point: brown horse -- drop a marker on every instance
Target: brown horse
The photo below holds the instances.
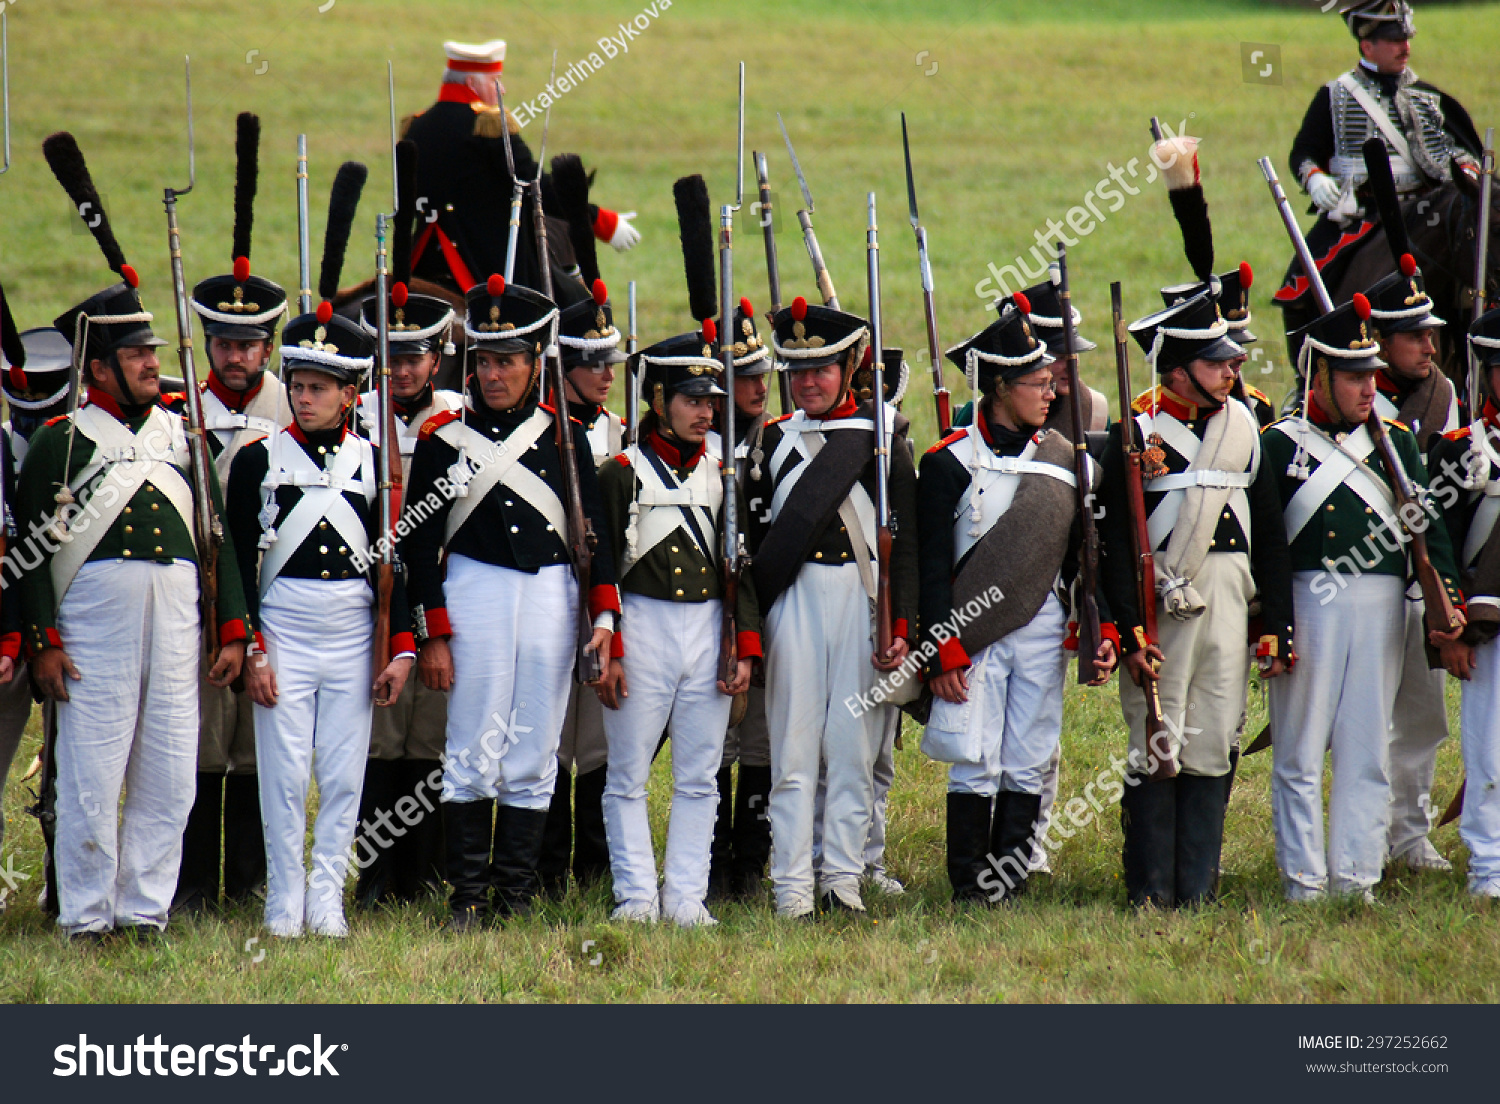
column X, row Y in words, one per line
column 1442, row 226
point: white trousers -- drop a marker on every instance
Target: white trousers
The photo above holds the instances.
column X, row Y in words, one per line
column 1338, row 697
column 513, row 641
column 318, row 637
column 1419, row 725
column 1015, row 707
column 1480, row 826
column 1203, row 685
column 819, row 644
column 131, row 629
column 884, row 777
column 671, row 673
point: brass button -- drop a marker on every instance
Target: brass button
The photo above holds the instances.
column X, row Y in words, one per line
column 1231, row 542
column 156, row 532
column 817, row 555
column 1332, row 534
column 508, row 502
column 323, row 549
column 515, row 528
column 156, row 505
column 1330, row 507
column 705, row 592
column 129, row 528
column 679, row 593
column 677, row 571
column 325, row 575
column 321, row 450
column 543, row 472
column 703, row 571
column 128, row 510
column 127, row 553
column 322, row 525
column 843, row 555
column 343, row 551
column 345, row 575
column 158, row 550
column 674, row 548
column 1368, row 510
column 1213, row 544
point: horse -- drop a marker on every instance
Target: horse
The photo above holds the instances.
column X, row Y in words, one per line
column 1441, row 226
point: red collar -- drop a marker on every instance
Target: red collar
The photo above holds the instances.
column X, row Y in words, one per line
column 104, row 401
column 846, row 409
column 1491, row 415
column 458, row 93
column 234, row 400
column 1317, row 415
column 1385, row 384
column 1175, row 405
column 672, row 453
column 301, row 438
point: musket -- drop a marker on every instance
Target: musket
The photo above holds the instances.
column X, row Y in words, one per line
column 804, row 218
column 304, row 241
column 883, row 625
column 632, row 376
column 44, row 806
column 390, row 481
column 731, row 554
column 773, row 267
column 581, row 539
column 5, row 84
column 1141, row 554
column 1481, row 257
column 1440, row 614
column 1089, row 634
column 517, row 185
column 207, row 525
column 940, row 393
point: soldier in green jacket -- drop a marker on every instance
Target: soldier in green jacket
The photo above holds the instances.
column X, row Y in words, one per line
column 1350, row 567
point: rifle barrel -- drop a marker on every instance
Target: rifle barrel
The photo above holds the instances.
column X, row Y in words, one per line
column 304, row 243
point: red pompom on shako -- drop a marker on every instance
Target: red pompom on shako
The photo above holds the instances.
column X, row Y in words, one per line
column 495, row 285
column 745, row 308
column 1361, row 306
column 601, row 293
column 710, row 331
column 799, row 309
column 128, row 274
column 1408, row 265
column 1022, row 303
column 398, row 294
column 325, row 312
column 241, row 269
column 1247, row 275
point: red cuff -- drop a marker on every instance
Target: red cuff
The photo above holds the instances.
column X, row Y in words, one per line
column 951, row 655
column 603, row 597
column 1108, row 631
column 437, row 623
column 10, row 645
column 748, row 644
column 901, row 630
column 605, row 224
column 617, row 646
column 260, row 641
column 403, row 642
column 230, row 631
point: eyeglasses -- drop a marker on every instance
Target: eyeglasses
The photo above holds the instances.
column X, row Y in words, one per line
column 1044, row 387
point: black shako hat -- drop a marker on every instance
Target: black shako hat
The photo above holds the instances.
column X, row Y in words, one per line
column 804, row 335
column 1399, row 303
column 682, row 365
column 507, row 318
column 586, row 329
column 1340, row 340
column 1232, row 293
column 1484, row 336
column 1381, row 19
column 1194, row 329
column 1045, row 315
column 1008, row 348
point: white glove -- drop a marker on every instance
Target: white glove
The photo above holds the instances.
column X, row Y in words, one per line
column 1324, row 191
column 625, row 236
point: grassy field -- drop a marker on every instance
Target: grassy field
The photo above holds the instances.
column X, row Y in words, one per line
column 1027, row 106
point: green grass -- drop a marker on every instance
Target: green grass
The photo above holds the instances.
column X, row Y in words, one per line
column 1029, row 105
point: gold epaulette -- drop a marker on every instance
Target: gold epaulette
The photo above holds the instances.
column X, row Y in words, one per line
column 487, row 121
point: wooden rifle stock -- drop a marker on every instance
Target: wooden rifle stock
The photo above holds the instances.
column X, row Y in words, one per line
column 1141, row 555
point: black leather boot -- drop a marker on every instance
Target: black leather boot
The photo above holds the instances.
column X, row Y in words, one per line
column 466, row 825
column 1200, row 837
column 968, row 842
column 721, row 851
column 244, row 839
column 590, row 844
column 557, row 839
column 417, row 857
column 1148, row 816
column 380, row 792
column 752, row 832
column 518, row 845
column 198, row 876
column 1011, row 839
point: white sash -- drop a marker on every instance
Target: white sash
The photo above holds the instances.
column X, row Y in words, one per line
column 663, row 507
column 1186, row 444
column 1338, row 467
column 499, row 464
column 995, row 482
column 1488, row 510
column 804, row 436
column 235, row 430
column 133, row 460
column 353, row 469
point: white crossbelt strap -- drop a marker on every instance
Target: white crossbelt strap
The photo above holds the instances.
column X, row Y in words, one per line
column 1489, row 509
column 996, row 479
column 353, row 469
column 499, row 463
column 236, row 429
column 1186, row 444
column 133, row 460
column 1376, row 112
column 663, row 506
column 407, row 433
column 1338, row 466
column 606, row 437
column 804, row 436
